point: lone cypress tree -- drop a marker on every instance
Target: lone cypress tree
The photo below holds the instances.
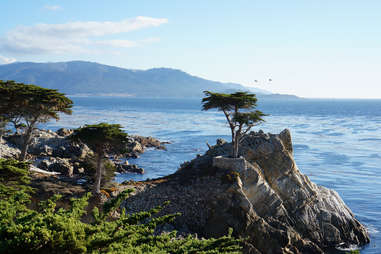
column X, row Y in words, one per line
column 29, row 105
column 240, row 122
column 102, row 138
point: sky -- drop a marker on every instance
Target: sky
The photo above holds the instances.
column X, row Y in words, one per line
column 314, row 49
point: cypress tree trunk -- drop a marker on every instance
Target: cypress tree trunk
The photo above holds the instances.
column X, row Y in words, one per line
column 27, row 139
column 98, row 175
column 235, row 145
column 2, row 130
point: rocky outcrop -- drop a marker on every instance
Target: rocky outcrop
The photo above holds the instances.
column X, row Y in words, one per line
column 8, row 150
column 60, row 165
column 150, row 142
column 46, row 143
column 64, row 132
column 263, row 196
column 55, row 152
column 137, row 145
column 128, row 168
column 57, row 144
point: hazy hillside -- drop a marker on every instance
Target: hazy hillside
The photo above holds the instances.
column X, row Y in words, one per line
column 80, row 77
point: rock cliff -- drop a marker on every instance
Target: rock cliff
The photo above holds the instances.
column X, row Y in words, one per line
column 262, row 195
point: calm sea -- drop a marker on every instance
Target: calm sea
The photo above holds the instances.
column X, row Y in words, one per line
column 337, row 143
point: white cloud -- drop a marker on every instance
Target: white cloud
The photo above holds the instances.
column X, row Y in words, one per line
column 127, row 43
column 118, row 43
column 73, row 37
column 6, row 60
column 53, row 7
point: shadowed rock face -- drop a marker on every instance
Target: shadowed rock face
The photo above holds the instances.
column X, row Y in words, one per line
column 262, row 196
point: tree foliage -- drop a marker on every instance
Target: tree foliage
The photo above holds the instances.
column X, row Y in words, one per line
column 28, row 105
column 14, row 176
column 102, row 138
column 51, row 230
column 238, row 109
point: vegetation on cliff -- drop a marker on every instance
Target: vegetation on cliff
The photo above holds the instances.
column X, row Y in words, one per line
column 51, row 230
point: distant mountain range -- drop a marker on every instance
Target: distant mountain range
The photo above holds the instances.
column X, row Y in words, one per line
column 88, row 78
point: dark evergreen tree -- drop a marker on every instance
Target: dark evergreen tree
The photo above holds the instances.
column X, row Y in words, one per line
column 28, row 105
column 238, row 109
column 102, row 138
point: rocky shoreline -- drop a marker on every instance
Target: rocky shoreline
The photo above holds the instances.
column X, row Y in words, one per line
column 55, row 152
column 262, row 195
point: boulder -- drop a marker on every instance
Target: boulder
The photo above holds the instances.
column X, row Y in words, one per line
column 62, row 166
column 64, row 132
column 127, row 168
column 16, row 140
column 136, row 147
column 44, row 164
column 149, row 142
column 263, row 196
column 8, row 150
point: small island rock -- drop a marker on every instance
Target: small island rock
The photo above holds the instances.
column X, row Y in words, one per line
column 263, row 196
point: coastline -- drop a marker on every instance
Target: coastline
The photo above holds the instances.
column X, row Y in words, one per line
column 205, row 186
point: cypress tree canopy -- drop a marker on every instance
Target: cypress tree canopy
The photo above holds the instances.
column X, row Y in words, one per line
column 222, row 101
column 31, row 103
column 27, row 105
column 102, row 137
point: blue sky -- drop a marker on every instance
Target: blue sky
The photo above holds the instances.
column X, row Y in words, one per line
column 318, row 49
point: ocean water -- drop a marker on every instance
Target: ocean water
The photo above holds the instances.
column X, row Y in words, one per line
column 337, row 143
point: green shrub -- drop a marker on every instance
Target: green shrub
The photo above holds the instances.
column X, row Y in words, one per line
column 51, row 230
column 14, row 176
